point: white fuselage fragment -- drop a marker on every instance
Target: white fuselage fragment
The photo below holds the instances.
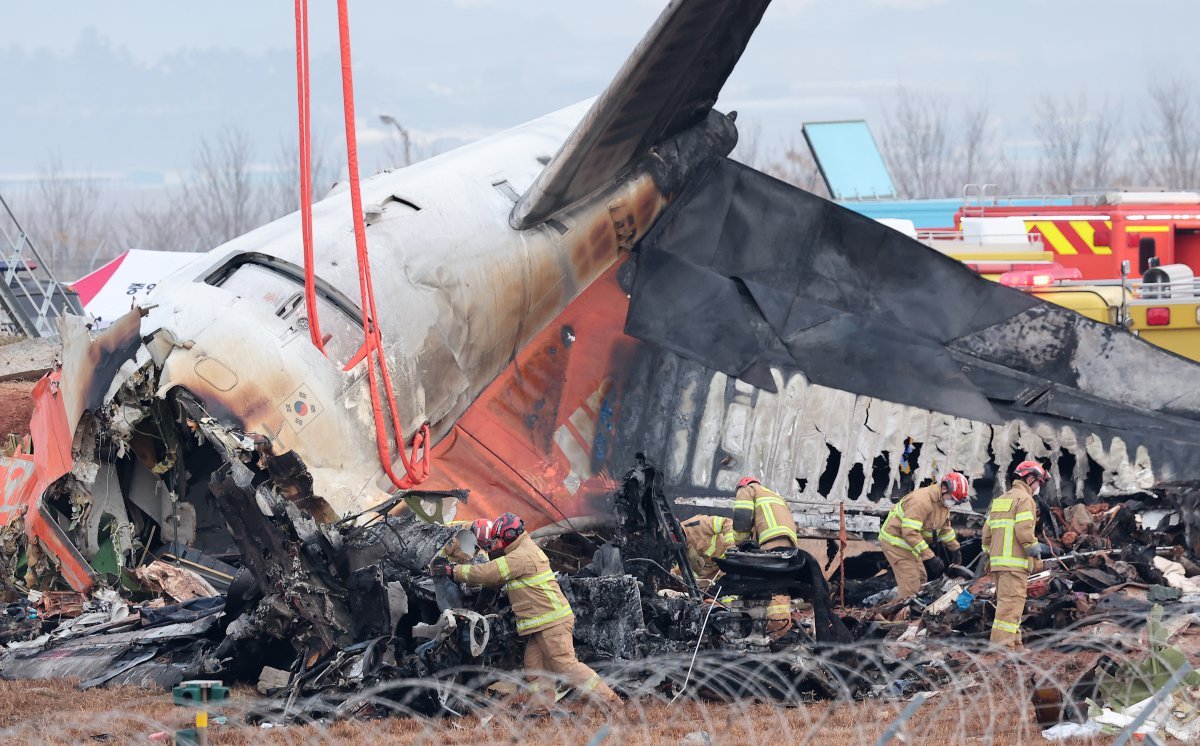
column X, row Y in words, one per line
column 785, row 439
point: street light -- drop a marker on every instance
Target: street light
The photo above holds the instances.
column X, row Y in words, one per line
column 404, row 136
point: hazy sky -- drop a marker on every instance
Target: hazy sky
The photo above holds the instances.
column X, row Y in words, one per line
column 127, row 86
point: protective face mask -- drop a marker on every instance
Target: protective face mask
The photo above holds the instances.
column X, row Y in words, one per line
column 948, row 502
column 1037, row 489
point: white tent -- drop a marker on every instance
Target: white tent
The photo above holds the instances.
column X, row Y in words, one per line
column 110, row 291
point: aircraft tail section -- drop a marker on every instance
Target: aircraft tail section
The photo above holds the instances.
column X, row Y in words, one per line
column 668, row 85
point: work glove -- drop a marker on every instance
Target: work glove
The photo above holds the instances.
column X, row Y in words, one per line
column 955, row 556
column 934, row 568
column 1038, row 550
column 441, row 568
column 748, row 546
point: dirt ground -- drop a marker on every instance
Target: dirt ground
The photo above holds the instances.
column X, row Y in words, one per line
column 56, row 712
column 15, row 403
column 16, row 406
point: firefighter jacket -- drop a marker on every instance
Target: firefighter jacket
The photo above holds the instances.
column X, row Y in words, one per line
column 758, row 509
column 1009, row 530
column 915, row 519
column 708, row 537
column 524, row 571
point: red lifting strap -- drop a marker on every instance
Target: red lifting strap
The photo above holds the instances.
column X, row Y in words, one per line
column 416, row 465
column 417, row 469
column 302, row 105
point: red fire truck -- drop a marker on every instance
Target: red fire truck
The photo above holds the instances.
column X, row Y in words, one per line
column 1095, row 233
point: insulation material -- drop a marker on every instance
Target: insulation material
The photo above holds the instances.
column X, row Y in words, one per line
column 179, row 583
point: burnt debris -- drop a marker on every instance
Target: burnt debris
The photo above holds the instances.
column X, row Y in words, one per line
column 339, row 617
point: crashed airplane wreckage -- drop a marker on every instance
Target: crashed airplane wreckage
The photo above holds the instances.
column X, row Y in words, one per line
column 348, row 606
column 599, row 283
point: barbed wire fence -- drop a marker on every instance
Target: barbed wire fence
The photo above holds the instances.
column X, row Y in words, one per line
column 925, row 690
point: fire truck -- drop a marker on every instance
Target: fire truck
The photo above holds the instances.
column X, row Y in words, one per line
column 1095, row 233
column 1125, row 258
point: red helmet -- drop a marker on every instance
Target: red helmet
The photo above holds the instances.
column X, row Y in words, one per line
column 1026, row 468
column 507, row 528
column 956, row 486
column 747, row 480
column 485, row 532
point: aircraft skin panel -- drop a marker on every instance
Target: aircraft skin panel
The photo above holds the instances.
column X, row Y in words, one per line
column 816, row 445
column 788, row 279
column 458, row 293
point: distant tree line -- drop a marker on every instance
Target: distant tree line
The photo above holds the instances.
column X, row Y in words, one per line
column 933, row 147
column 78, row 222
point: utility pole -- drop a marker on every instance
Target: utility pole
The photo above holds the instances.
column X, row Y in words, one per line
column 404, row 137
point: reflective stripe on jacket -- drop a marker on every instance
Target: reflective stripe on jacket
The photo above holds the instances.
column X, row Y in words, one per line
column 708, row 537
column 773, row 525
column 913, row 521
column 1009, row 529
column 524, row 572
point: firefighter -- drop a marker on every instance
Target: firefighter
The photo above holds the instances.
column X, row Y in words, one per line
column 543, row 615
column 708, row 538
column 763, row 520
column 453, row 550
column 911, row 525
column 1012, row 550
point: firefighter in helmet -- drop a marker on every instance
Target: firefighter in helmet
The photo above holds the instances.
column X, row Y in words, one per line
column 912, row 524
column 544, row 617
column 1012, row 549
column 763, row 520
column 708, row 538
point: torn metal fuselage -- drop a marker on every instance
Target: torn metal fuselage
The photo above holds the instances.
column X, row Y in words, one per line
column 218, row 370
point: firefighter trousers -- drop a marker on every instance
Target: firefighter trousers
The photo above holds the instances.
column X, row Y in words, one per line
column 553, row 650
column 908, row 568
column 1010, row 606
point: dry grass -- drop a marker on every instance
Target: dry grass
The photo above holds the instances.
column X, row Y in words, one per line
column 982, row 711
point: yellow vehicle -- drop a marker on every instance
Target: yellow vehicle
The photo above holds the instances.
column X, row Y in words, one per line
column 1163, row 307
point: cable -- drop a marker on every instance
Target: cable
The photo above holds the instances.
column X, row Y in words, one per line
column 303, row 107
column 699, row 639
column 416, row 468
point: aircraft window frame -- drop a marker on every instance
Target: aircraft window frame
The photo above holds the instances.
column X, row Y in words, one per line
column 344, row 345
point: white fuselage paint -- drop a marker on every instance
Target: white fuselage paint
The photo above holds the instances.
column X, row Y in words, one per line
column 458, row 292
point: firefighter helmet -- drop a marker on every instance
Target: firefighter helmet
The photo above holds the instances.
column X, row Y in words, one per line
column 508, row 527
column 955, row 485
column 747, row 480
column 1031, row 468
column 485, row 532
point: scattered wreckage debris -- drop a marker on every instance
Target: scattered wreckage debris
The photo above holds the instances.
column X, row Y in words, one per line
column 348, row 607
column 1149, row 688
column 339, row 617
column 1112, row 561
